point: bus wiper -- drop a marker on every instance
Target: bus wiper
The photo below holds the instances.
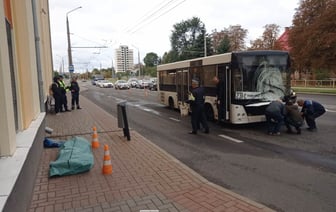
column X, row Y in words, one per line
column 274, row 86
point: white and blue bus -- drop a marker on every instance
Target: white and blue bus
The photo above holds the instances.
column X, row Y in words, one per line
column 251, row 80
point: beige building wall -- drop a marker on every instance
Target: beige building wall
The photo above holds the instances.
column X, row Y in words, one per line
column 27, row 83
column 25, row 76
column 7, row 141
column 45, row 45
column 24, row 39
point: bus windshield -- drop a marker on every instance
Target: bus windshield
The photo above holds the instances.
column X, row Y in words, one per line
column 260, row 77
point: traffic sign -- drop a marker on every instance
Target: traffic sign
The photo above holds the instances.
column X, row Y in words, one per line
column 71, row 68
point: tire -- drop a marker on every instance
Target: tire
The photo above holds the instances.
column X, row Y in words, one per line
column 171, row 103
column 209, row 113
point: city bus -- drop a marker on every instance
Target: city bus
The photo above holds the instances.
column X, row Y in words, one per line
column 251, row 80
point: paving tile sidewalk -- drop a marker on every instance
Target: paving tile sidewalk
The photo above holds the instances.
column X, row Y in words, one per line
column 144, row 176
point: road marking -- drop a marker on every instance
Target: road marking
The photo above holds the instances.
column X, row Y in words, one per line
column 174, row 119
column 230, row 138
column 332, row 111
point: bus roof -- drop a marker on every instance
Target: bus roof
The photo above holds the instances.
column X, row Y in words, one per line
column 216, row 59
column 226, row 57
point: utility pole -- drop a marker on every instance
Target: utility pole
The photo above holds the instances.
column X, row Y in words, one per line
column 71, row 67
column 205, row 46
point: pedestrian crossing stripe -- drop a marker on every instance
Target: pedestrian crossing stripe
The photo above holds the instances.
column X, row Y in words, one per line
column 231, row 139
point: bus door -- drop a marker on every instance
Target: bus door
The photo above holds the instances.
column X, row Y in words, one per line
column 224, row 78
column 182, row 85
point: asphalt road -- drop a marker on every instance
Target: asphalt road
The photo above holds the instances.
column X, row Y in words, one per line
column 286, row 172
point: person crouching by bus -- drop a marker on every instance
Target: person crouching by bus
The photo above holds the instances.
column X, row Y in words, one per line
column 310, row 111
column 196, row 101
column 292, row 115
column 74, row 88
column 274, row 117
column 220, row 95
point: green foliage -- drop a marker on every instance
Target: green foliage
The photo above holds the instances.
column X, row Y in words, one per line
column 122, row 75
column 151, row 59
column 187, row 41
column 150, row 71
column 169, row 57
column 224, row 45
column 321, row 74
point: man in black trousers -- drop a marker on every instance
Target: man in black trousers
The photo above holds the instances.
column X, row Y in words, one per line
column 196, row 101
column 74, row 88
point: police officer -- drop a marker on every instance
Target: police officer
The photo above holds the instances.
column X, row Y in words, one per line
column 57, row 94
column 74, row 88
column 64, row 89
column 196, row 100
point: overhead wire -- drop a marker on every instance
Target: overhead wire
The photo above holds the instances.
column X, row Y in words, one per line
column 143, row 17
column 167, row 7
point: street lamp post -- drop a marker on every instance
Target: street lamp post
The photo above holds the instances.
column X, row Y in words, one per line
column 71, row 67
column 205, row 44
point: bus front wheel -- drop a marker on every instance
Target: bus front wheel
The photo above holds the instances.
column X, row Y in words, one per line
column 209, row 113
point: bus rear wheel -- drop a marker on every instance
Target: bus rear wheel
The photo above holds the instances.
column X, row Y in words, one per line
column 209, row 113
column 171, row 103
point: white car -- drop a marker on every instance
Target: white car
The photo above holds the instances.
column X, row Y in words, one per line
column 132, row 83
column 105, row 84
column 121, row 84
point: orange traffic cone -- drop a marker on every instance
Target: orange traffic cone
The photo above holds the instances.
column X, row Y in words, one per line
column 107, row 166
column 95, row 143
column 146, row 92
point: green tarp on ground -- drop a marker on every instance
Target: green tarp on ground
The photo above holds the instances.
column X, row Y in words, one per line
column 75, row 156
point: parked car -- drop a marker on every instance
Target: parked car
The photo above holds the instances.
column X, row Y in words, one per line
column 121, row 84
column 153, row 85
column 132, row 83
column 143, row 84
column 105, row 84
column 97, row 82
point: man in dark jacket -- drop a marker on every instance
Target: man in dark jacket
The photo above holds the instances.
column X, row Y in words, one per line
column 274, row 117
column 64, row 89
column 293, row 117
column 310, row 111
column 74, row 88
column 57, row 94
column 220, row 95
column 196, row 100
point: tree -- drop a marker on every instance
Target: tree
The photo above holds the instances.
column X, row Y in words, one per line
column 237, row 36
column 151, row 59
column 150, row 71
column 268, row 39
column 313, row 37
column 187, row 40
column 224, row 45
column 169, row 57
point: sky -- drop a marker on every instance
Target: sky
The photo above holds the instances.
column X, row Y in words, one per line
column 101, row 26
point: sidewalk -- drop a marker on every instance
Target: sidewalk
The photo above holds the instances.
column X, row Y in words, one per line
column 144, row 176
